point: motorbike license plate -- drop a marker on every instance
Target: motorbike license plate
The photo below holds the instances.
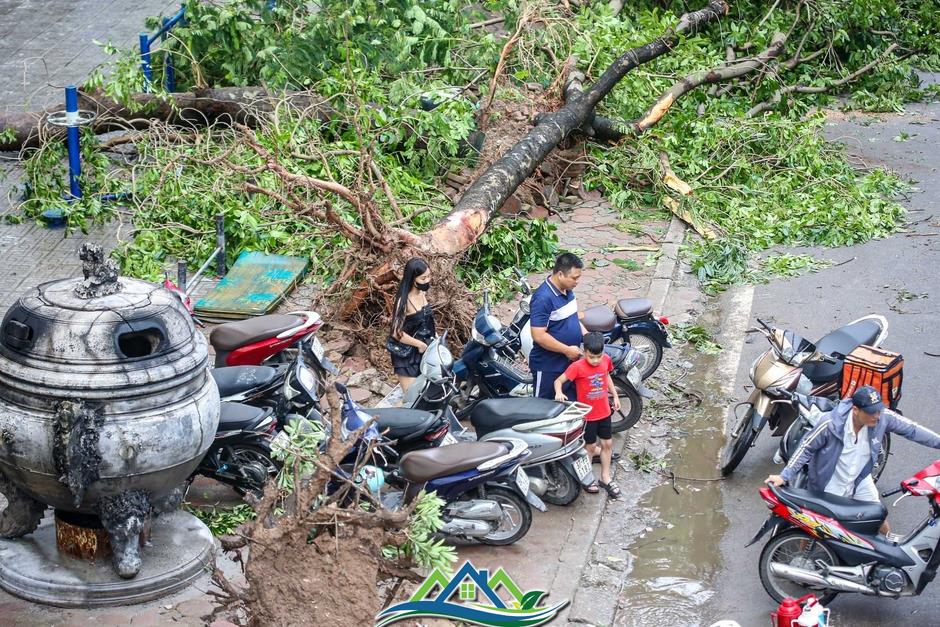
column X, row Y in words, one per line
column 317, row 349
column 448, row 440
column 582, row 466
column 280, row 443
column 522, row 480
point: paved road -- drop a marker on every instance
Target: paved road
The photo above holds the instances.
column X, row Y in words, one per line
column 812, row 305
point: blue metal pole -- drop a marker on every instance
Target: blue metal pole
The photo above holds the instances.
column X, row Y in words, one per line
column 169, row 73
column 75, row 157
column 145, row 60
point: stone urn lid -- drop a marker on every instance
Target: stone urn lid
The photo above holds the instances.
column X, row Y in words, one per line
column 98, row 335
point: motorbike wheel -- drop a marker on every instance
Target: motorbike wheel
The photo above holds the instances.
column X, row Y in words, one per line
column 799, row 549
column 516, row 520
column 741, row 438
column 631, row 406
column 650, row 349
column 882, row 459
column 564, row 487
column 258, row 462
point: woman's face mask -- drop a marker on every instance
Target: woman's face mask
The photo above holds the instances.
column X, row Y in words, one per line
column 424, row 287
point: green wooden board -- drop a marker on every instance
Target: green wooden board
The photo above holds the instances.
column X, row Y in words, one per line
column 254, row 286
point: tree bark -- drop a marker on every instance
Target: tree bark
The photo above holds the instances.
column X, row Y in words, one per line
column 457, row 231
column 238, row 104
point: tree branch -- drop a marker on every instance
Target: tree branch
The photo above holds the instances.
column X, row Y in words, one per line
column 807, row 89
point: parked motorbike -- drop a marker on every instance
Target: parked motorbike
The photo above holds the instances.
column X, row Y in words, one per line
column 810, row 410
column 483, row 371
column 257, row 340
column 240, row 455
column 292, row 390
column 486, row 495
column 821, row 542
column 254, row 341
column 630, row 322
column 553, row 431
column 793, row 364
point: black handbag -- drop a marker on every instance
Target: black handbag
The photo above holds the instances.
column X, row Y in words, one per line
column 397, row 349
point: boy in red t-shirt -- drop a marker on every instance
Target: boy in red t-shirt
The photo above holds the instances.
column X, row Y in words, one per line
column 591, row 378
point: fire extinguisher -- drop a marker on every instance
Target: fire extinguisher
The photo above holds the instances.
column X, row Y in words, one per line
column 789, row 612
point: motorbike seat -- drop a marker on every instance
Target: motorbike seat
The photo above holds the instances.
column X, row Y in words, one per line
column 231, row 335
column 599, row 318
column 494, row 414
column 631, row 308
column 857, row 516
column 237, row 379
column 402, row 423
column 819, row 402
column 428, row 464
column 842, row 341
column 239, row 417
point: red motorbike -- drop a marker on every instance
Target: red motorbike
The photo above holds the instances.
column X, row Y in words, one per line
column 825, row 544
column 263, row 339
column 256, row 340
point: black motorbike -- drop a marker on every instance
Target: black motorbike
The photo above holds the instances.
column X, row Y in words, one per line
column 240, row 455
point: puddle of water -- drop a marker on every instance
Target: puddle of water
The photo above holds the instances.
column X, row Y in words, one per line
column 675, row 564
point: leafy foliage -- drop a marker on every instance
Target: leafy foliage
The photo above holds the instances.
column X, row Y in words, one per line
column 420, row 544
column 530, row 245
column 695, row 335
column 764, row 181
column 222, row 521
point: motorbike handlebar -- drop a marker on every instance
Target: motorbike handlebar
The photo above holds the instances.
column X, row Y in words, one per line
column 888, row 493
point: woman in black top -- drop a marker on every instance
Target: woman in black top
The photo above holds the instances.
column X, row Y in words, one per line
column 412, row 320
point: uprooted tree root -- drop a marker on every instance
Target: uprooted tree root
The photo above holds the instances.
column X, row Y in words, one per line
column 313, row 558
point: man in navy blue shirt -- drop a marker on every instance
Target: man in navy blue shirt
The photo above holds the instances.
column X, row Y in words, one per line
column 556, row 326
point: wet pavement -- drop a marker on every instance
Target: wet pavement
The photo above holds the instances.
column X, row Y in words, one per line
column 871, row 281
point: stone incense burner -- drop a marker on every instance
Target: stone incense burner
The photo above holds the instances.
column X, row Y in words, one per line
column 106, row 407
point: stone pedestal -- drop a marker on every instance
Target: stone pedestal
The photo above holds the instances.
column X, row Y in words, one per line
column 179, row 550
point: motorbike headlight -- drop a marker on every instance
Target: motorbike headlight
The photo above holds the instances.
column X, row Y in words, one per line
column 308, row 380
column 753, row 372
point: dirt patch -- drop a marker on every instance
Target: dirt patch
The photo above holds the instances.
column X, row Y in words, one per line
column 320, row 583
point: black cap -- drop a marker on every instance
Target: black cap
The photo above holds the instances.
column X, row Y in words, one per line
column 868, row 400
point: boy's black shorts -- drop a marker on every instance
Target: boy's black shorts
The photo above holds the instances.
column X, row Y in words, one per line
column 594, row 429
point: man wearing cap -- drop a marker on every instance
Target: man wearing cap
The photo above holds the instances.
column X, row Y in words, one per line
column 841, row 450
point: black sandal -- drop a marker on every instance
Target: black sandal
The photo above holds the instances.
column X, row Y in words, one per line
column 613, row 490
column 613, row 458
column 592, row 489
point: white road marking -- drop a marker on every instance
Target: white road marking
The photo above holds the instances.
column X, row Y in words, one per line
column 737, row 314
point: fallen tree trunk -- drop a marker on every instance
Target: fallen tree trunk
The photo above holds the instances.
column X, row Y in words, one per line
column 241, row 105
column 461, row 228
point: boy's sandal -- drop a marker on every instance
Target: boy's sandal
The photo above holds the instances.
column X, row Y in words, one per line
column 592, row 489
column 613, row 490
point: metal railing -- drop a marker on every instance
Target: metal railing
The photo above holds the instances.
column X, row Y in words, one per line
column 217, row 255
column 146, row 41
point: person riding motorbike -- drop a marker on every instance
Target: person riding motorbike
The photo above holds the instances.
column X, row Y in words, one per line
column 841, row 450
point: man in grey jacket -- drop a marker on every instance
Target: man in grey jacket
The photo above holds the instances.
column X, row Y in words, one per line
column 841, row 450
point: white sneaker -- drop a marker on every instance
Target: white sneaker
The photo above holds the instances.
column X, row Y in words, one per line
column 777, row 458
